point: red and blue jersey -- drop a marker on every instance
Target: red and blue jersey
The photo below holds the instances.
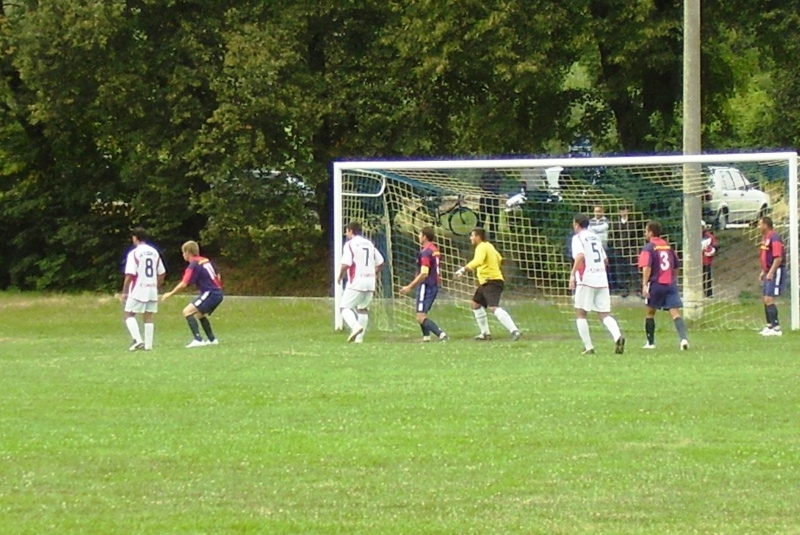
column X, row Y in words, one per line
column 662, row 261
column 771, row 248
column 428, row 257
column 203, row 274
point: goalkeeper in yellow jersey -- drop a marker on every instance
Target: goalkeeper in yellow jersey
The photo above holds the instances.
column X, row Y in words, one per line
column 486, row 265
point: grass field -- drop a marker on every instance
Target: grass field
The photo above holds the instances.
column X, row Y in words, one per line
column 285, row 428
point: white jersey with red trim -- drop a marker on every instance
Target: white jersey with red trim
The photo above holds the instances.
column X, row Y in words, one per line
column 593, row 272
column 144, row 265
column 361, row 258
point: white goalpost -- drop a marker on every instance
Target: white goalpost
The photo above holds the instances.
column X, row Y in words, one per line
column 527, row 205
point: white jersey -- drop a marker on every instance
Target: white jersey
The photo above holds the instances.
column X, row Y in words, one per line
column 362, row 258
column 144, row 265
column 593, row 272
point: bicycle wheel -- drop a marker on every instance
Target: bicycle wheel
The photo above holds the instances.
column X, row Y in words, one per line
column 462, row 220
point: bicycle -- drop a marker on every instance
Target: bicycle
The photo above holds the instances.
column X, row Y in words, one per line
column 459, row 218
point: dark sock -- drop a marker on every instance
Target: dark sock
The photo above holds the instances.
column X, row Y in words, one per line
column 192, row 321
column 425, row 330
column 680, row 326
column 207, row 328
column 431, row 326
column 766, row 314
column 772, row 315
column 650, row 330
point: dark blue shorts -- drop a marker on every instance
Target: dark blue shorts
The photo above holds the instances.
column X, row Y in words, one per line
column 207, row 302
column 775, row 287
column 664, row 296
column 426, row 295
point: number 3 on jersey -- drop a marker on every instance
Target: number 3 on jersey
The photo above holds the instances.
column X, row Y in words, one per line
column 665, row 263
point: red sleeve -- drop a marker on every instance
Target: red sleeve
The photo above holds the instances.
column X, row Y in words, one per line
column 777, row 249
column 187, row 275
column 425, row 260
column 644, row 259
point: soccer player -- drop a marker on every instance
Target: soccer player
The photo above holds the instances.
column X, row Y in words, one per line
column 426, row 282
column 144, row 273
column 589, row 280
column 202, row 273
column 361, row 263
column 486, row 265
column 659, row 265
column 771, row 277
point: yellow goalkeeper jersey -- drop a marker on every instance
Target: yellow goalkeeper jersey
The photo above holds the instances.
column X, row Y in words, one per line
column 486, row 263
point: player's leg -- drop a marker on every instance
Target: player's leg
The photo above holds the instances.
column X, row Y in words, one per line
column 673, row 303
column 132, row 307
column 190, row 313
column 362, row 309
column 350, row 299
column 680, row 327
column 419, row 307
column 478, row 305
column 205, row 309
column 771, row 290
column 602, row 304
column 149, row 326
column 424, row 306
column 581, row 299
column 493, row 291
column 650, row 328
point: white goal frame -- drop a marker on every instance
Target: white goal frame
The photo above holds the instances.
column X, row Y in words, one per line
column 789, row 157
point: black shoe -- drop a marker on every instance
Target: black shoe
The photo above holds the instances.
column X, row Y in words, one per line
column 619, row 347
column 483, row 337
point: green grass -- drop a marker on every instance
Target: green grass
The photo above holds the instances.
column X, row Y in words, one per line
column 285, row 428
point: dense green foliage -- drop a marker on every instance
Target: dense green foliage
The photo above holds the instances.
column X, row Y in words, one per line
column 120, row 113
column 284, row 428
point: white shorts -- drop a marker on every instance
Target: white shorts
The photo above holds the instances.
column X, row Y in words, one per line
column 140, row 307
column 356, row 299
column 592, row 299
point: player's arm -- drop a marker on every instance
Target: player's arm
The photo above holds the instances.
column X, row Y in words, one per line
column 379, row 260
column 184, row 282
column 777, row 252
column 577, row 264
column 646, row 271
column 478, row 259
column 342, row 273
column 126, row 285
column 423, row 273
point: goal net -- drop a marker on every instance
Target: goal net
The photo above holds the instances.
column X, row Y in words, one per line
column 527, row 205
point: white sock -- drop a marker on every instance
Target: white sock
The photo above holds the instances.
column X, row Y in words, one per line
column 349, row 318
column 613, row 328
column 363, row 319
column 505, row 318
column 133, row 328
column 483, row 322
column 149, row 330
column 583, row 331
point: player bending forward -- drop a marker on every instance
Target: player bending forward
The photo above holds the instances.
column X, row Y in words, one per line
column 589, row 280
column 204, row 275
column 361, row 263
